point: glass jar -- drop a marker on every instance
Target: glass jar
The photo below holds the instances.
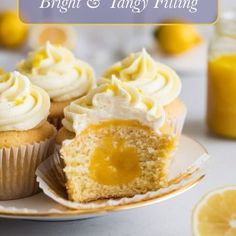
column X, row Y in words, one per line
column 221, row 105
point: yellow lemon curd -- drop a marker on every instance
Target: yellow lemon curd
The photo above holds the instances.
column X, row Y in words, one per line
column 114, row 162
column 221, row 115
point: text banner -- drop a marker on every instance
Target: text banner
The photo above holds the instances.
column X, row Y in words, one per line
column 118, row 11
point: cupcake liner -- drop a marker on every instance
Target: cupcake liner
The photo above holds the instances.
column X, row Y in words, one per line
column 17, row 168
column 51, row 180
column 56, row 121
column 178, row 123
column 55, row 191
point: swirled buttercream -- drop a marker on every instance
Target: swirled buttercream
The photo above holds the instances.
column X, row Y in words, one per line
column 113, row 100
column 154, row 79
column 58, row 72
column 23, row 106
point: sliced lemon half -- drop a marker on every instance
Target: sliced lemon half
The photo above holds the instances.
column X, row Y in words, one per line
column 56, row 34
column 215, row 214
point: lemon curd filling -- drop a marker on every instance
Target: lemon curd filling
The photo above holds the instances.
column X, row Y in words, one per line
column 114, row 162
column 110, row 123
column 221, row 95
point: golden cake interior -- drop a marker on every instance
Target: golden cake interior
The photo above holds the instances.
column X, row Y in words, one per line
column 114, row 159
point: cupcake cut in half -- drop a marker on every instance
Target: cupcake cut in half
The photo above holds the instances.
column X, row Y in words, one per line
column 64, row 77
column 119, row 149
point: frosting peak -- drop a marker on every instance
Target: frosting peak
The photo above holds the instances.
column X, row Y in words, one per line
column 137, row 66
column 154, row 79
column 22, row 105
column 55, row 69
column 113, row 100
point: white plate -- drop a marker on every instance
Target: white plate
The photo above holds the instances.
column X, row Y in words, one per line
column 40, row 207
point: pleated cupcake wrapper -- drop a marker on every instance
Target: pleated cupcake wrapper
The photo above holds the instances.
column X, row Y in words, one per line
column 56, row 121
column 17, row 168
column 178, row 123
column 51, row 179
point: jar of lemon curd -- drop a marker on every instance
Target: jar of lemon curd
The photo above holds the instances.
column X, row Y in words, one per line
column 221, row 107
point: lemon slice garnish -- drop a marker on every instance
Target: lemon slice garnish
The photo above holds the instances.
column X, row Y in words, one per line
column 215, row 214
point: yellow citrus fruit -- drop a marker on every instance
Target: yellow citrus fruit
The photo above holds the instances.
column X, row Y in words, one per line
column 55, row 34
column 13, row 32
column 176, row 39
column 215, row 214
column 1, row 71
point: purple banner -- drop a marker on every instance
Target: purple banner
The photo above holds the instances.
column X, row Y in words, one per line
column 118, row 11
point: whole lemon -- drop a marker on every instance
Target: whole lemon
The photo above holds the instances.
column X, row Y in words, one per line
column 176, row 39
column 13, row 32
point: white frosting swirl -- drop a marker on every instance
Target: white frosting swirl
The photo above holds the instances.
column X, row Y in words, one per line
column 22, row 105
column 56, row 70
column 154, row 79
column 114, row 100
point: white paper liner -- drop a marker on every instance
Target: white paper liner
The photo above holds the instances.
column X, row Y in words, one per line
column 52, row 181
column 17, row 168
column 178, row 123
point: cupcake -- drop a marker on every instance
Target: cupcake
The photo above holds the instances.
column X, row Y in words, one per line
column 60, row 74
column 25, row 135
column 116, row 147
column 156, row 81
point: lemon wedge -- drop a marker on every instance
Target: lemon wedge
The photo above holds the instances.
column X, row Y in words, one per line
column 215, row 214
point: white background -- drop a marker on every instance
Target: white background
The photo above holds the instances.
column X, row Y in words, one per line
column 170, row 218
